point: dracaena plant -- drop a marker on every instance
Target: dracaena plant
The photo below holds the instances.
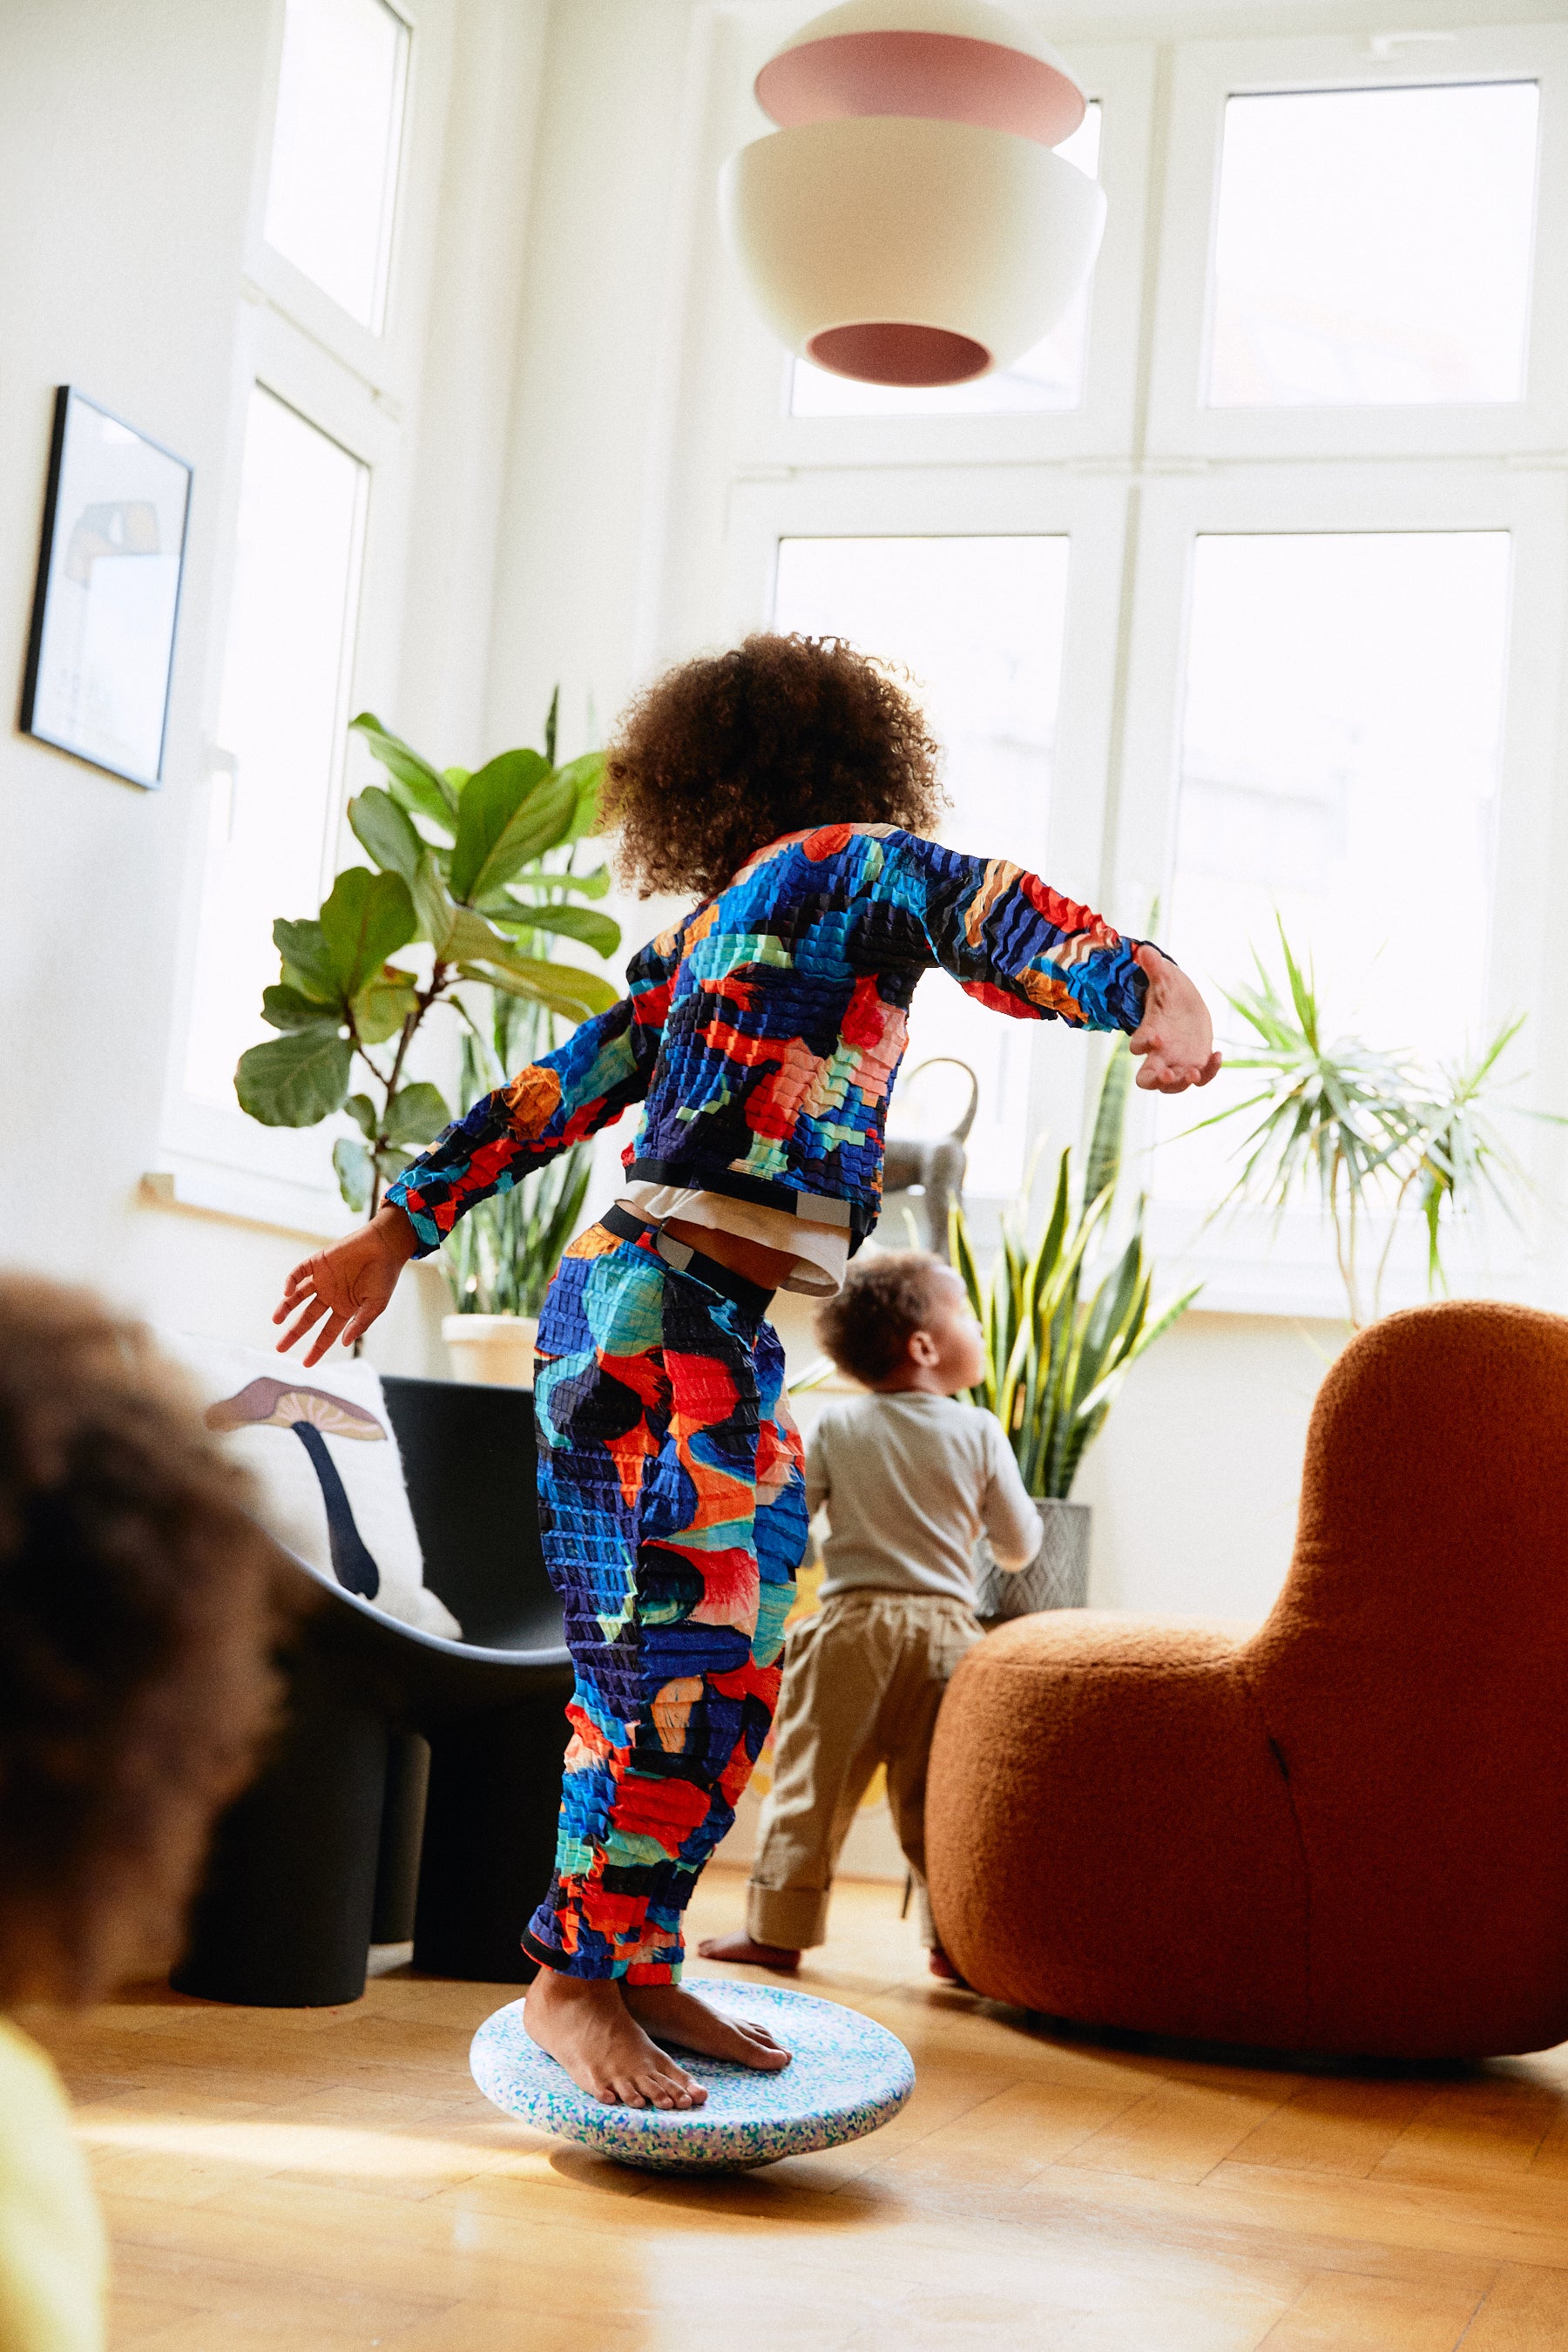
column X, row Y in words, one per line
column 479, row 867
column 1366, row 1130
column 1055, row 1356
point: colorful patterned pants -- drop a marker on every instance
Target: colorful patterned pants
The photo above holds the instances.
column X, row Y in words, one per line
column 672, row 1507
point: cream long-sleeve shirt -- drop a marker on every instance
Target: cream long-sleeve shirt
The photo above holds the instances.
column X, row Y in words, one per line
column 909, row 1481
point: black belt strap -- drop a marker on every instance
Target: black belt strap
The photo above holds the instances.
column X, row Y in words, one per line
column 628, row 1227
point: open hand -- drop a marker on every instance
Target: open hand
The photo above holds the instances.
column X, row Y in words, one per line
column 1175, row 1036
column 349, row 1284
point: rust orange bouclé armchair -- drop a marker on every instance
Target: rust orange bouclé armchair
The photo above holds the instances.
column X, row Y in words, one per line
column 1347, row 1831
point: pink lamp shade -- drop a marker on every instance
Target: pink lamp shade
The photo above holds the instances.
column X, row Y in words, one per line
column 909, row 223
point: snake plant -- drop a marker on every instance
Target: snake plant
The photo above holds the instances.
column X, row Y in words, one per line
column 1055, row 1356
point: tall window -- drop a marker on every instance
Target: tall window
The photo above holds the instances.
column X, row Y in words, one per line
column 978, row 623
column 332, row 188
column 1373, row 246
column 281, row 719
column 1304, row 664
column 1342, row 732
column 313, row 589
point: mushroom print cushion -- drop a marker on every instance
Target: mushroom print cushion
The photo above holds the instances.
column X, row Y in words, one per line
column 322, row 1450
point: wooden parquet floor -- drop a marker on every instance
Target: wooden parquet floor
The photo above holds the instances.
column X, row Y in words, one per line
column 330, row 2181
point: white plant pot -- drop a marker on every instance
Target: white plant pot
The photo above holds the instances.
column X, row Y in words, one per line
column 494, row 1350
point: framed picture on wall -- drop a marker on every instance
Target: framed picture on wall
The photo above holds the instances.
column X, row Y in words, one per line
column 103, row 641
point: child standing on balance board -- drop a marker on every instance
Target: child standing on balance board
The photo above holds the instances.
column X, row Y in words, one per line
column 789, row 784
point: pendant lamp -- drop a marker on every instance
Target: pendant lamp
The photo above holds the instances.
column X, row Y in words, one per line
column 907, row 222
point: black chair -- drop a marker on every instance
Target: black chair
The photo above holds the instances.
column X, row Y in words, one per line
column 416, row 1784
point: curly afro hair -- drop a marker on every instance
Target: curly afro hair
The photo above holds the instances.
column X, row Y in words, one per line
column 886, row 1298
column 137, row 1621
column 725, row 753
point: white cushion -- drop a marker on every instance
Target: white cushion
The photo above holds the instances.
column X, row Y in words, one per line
column 260, row 1401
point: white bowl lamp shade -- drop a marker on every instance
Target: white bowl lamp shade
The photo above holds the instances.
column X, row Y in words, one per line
column 908, row 224
column 907, row 251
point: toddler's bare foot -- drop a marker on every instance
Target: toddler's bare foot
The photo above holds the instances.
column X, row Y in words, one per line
column 748, row 1954
column 940, row 1966
column 585, row 2025
column 673, row 2015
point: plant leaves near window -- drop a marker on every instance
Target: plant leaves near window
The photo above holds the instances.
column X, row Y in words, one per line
column 307, row 960
column 384, row 1004
column 414, row 781
column 1054, row 1363
column 296, row 1080
column 515, row 819
column 510, row 812
column 365, row 918
column 355, row 1172
column 385, row 831
column 416, row 1114
column 599, row 932
column 586, row 778
column 288, row 1008
column 560, row 986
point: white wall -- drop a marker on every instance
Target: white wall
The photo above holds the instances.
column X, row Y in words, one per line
column 130, row 137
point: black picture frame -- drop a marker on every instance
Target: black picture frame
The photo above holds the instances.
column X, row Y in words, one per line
column 105, row 608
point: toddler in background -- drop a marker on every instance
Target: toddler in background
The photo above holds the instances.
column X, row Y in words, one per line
column 909, row 1476
column 136, row 1623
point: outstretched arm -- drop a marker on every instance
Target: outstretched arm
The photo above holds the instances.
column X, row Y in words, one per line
column 1020, row 947
column 557, row 1101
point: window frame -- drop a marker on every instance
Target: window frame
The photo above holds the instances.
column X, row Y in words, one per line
column 360, row 390
column 1208, row 73
column 1246, row 1262
column 1000, row 503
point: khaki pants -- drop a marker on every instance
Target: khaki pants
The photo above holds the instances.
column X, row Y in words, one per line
column 863, row 1681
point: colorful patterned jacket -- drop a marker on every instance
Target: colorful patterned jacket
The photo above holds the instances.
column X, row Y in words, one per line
column 764, row 1030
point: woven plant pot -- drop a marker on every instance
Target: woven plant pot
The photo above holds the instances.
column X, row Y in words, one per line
column 1056, row 1577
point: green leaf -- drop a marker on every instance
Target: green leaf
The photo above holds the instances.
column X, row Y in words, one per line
column 386, row 831
column 295, row 1081
column 355, row 1171
column 585, row 776
column 551, row 720
column 416, row 1114
column 382, row 1006
column 600, row 932
column 458, row 778
column 560, row 986
column 307, row 960
column 363, row 1112
column 289, row 1008
column 1109, row 1121
column 512, row 810
column 433, row 905
column 367, row 917
column 414, row 781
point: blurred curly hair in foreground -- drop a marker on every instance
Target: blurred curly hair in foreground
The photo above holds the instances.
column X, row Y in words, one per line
column 137, row 1621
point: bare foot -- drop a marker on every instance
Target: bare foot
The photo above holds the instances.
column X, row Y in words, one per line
column 671, row 2014
column 940, row 1966
column 585, row 2025
column 745, row 1953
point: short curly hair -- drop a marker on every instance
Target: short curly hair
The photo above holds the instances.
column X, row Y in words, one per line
column 138, row 1614
column 887, row 1297
column 732, row 750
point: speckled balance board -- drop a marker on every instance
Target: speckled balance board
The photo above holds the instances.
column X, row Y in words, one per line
column 847, row 2077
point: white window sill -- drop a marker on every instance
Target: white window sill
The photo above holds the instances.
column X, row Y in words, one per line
column 183, row 1181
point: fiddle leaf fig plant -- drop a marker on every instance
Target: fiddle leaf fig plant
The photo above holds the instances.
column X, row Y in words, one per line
column 478, row 869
